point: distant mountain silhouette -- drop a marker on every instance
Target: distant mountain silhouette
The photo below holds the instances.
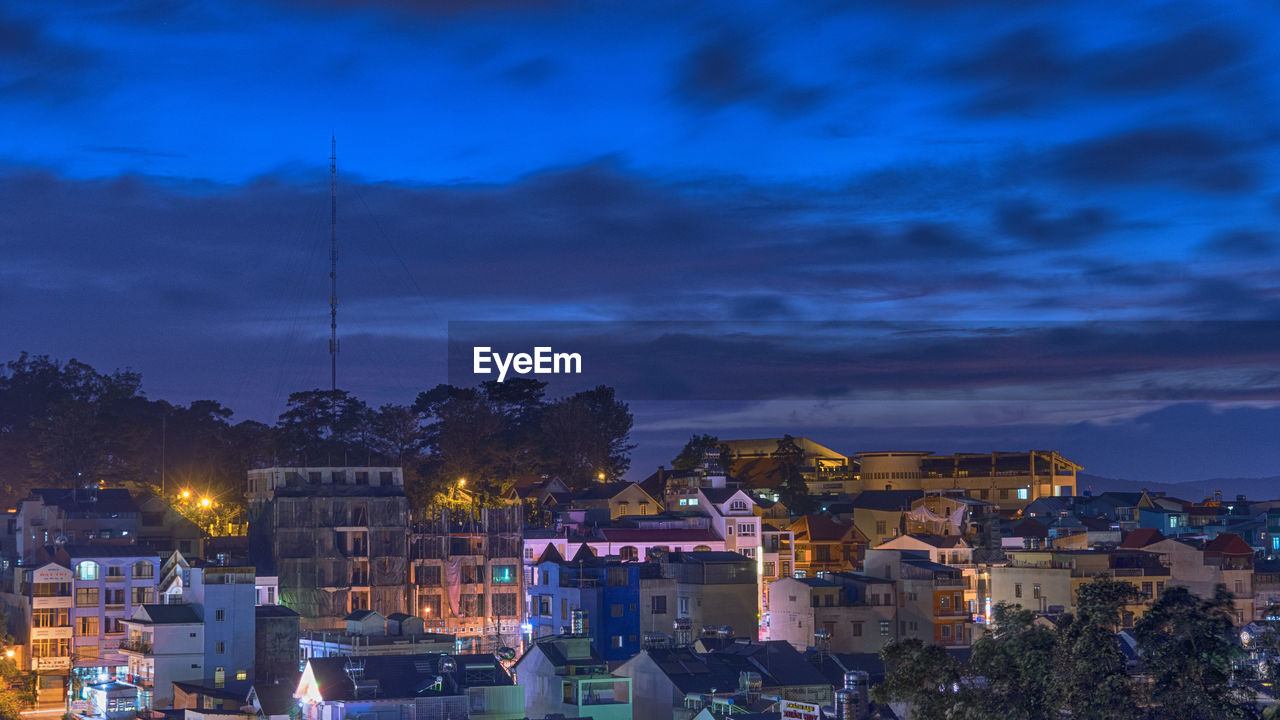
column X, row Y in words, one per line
column 1263, row 488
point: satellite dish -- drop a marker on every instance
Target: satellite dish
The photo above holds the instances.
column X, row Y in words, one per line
column 60, row 540
column 506, row 653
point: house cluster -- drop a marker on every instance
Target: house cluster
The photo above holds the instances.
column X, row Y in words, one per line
column 694, row 593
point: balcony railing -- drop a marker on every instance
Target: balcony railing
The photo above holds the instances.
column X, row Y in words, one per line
column 138, row 646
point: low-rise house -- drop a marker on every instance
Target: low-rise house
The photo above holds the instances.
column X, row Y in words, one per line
column 369, row 633
column 564, row 675
column 1040, row 581
column 1266, row 590
column 822, row 545
column 165, row 644
column 277, row 630
column 678, row 683
column 620, row 499
column 880, row 515
column 1200, row 567
column 839, row 612
column 931, row 602
column 432, row 685
column 715, row 588
column 77, row 516
column 636, row 540
column 942, row 549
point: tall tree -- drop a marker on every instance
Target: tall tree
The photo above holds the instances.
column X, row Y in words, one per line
column 1014, row 659
column 1190, row 650
column 587, row 435
column 694, row 454
column 1089, row 675
column 928, row 679
column 398, row 434
column 324, row 427
column 469, row 439
column 17, row 686
column 793, row 490
column 67, row 424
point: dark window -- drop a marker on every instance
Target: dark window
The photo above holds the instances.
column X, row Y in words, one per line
column 659, row 604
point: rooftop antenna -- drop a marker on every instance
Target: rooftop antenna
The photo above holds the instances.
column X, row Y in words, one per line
column 333, row 261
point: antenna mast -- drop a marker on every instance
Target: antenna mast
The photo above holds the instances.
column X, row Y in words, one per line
column 333, row 261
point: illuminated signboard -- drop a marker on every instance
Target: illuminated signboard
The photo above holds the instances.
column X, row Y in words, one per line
column 51, row 573
column 792, row 710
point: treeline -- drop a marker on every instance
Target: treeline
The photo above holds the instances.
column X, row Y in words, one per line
column 1191, row 664
column 67, row 425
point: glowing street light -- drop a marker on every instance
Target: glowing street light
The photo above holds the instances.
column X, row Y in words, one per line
column 186, row 494
column 600, row 476
column 205, row 502
column 462, row 482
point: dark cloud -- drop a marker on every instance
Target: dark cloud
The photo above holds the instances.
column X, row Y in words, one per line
column 245, row 267
column 1027, row 221
column 1225, row 298
column 759, row 307
column 430, row 7
column 1017, row 69
column 709, row 361
column 127, row 151
column 727, row 70
column 1032, row 68
column 1242, row 244
column 36, row 65
column 1191, row 157
column 531, row 72
column 1191, row 55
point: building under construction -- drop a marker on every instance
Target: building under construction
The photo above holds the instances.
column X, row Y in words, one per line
column 466, row 578
column 335, row 536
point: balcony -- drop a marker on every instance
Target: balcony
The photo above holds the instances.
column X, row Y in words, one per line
column 137, row 647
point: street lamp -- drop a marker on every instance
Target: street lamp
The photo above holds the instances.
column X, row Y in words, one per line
column 205, row 502
column 186, row 494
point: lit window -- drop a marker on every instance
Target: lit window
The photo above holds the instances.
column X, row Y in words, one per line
column 87, row 570
column 1022, row 493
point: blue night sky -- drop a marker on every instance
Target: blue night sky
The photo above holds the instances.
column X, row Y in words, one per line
column 1096, row 177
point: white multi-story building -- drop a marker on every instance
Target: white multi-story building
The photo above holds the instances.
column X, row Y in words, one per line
column 165, row 644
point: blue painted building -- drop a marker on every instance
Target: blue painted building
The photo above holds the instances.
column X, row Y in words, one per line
column 1168, row 522
column 225, row 597
column 607, row 590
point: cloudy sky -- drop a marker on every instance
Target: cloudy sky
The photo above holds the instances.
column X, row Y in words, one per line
column 949, row 226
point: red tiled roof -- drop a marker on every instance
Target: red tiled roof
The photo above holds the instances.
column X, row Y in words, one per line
column 820, row 528
column 1141, row 538
column 1228, row 544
